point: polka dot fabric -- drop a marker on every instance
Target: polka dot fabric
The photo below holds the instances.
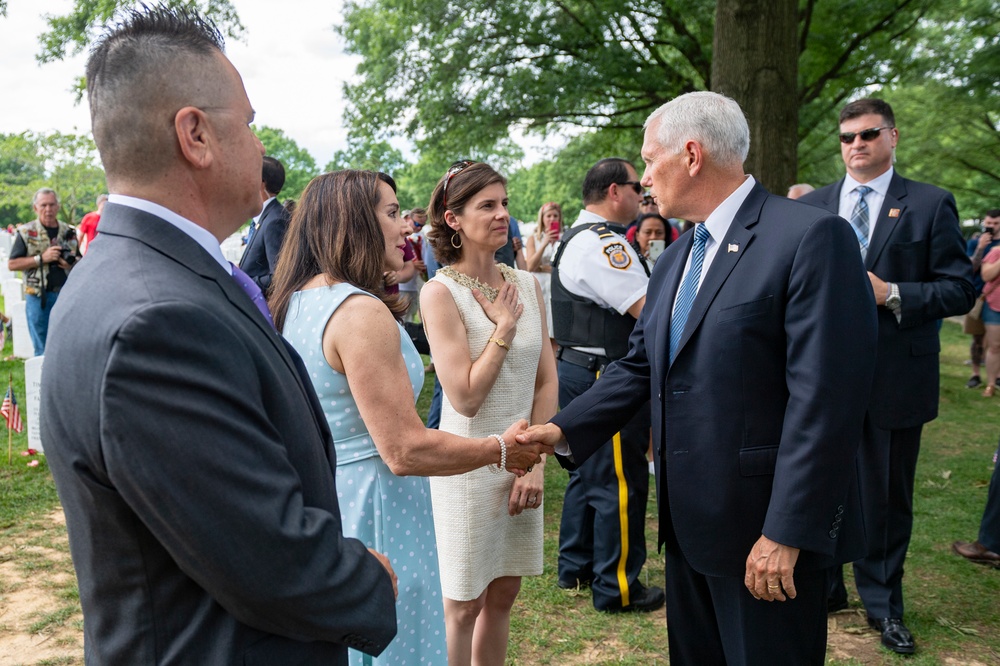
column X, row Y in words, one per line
column 388, row 513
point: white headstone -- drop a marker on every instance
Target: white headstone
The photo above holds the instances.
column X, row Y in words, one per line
column 12, row 291
column 33, row 400
column 5, row 274
column 6, row 242
column 23, row 347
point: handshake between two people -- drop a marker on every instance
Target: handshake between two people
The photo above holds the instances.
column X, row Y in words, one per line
column 526, row 444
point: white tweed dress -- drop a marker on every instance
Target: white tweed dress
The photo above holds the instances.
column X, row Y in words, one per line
column 477, row 540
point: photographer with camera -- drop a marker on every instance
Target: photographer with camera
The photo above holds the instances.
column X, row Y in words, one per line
column 977, row 249
column 44, row 250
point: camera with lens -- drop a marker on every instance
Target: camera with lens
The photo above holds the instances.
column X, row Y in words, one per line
column 66, row 253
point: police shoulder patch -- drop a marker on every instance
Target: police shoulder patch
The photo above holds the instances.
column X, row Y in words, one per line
column 617, row 255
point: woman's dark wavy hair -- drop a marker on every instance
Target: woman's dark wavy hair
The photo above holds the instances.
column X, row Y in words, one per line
column 335, row 231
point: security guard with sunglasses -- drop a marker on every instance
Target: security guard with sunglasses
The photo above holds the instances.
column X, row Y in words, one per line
column 912, row 248
column 598, row 290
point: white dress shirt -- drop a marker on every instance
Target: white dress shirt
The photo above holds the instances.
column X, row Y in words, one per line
column 718, row 223
column 849, row 198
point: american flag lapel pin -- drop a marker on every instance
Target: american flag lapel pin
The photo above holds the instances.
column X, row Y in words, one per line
column 893, row 212
column 734, row 247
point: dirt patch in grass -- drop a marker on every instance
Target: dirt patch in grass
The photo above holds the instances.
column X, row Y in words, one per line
column 39, row 621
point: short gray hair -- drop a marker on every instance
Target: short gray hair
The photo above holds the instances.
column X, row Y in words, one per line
column 41, row 191
column 713, row 120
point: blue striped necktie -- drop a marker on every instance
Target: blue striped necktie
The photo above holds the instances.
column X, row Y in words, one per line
column 688, row 289
column 859, row 218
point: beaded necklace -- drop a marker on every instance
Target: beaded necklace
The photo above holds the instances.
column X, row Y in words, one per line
column 473, row 283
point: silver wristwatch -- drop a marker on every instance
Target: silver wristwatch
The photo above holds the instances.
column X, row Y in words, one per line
column 892, row 301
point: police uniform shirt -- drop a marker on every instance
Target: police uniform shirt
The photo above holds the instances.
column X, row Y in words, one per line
column 605, row 271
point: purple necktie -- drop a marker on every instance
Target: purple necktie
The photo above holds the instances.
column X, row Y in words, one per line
column 253, row 291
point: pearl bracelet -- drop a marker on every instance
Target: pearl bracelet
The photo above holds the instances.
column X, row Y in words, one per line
column 502, row 467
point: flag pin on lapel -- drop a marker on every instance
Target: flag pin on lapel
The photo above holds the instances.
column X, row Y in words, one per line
column 734, row 247
column 893, row 212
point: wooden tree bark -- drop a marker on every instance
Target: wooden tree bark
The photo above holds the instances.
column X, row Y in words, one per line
column 755, row 61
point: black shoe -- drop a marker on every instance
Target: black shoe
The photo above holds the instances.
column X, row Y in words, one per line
column 642, row 600
column 973, row 382
column 574, row 583
column 835, row 605
column 895, row 635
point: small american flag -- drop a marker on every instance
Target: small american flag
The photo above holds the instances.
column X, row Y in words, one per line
column 10, row 411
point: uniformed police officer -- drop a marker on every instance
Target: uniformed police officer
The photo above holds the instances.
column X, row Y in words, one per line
column 598, row 290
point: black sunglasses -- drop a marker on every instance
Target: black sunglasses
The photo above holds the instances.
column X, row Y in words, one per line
column 866, row 135
column 635, row 185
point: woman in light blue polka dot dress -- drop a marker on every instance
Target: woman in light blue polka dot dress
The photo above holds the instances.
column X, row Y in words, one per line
column 329, row 302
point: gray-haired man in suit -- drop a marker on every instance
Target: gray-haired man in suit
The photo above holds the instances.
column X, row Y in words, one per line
column 193, row 462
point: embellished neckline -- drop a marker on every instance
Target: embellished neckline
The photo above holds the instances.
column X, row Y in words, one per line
column 473, row 283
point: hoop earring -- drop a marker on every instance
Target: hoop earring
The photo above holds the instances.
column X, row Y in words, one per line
column 459, row 246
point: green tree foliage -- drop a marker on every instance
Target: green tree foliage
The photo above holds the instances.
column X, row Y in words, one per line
column 67, row 163
column 74, row 172
column 20, row 166
column 957, row 148
column 457, row 76
column 946, row 105
column 950, row 116
column 70, row 34
column 367, row 153
column 300, row 166
column 561, row 178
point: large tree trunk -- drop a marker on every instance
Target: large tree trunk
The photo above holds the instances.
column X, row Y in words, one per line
column 755, row 61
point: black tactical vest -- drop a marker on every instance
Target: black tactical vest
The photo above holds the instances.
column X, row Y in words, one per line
column 577, row 322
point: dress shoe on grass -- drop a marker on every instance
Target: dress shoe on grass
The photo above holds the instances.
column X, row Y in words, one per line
column 642, row 600
column 895, row 635
column 977, row 552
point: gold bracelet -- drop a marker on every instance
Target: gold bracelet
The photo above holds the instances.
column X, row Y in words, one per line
column 500, row 343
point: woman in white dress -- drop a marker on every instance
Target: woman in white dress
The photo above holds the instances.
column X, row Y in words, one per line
column 486, row 327
column 540, row 248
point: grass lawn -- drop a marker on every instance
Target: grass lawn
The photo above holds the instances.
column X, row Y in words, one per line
column 952, row 605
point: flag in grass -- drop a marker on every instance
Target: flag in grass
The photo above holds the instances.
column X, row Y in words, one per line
column 10, row 411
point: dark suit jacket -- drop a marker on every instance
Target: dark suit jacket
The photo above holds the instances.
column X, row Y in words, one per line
column 918, row 245
column 195, row 468
column 261, row 254
column 757, row 421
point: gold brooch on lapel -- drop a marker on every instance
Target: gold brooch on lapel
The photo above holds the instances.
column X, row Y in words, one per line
column 893, row 212
column 734, row 247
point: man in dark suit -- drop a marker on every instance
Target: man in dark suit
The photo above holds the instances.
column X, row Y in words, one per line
column 193, row 463
column 267, row 231
column 755, row 349
column 913, row 250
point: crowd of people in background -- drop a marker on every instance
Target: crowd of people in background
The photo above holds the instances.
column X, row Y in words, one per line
column 347, row 526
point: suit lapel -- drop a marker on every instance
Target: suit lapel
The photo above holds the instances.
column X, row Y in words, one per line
column 170, row 241
column 886, row 223
column 831, row 202
column 665, row 300
column 258, row 227
column 730, row 251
